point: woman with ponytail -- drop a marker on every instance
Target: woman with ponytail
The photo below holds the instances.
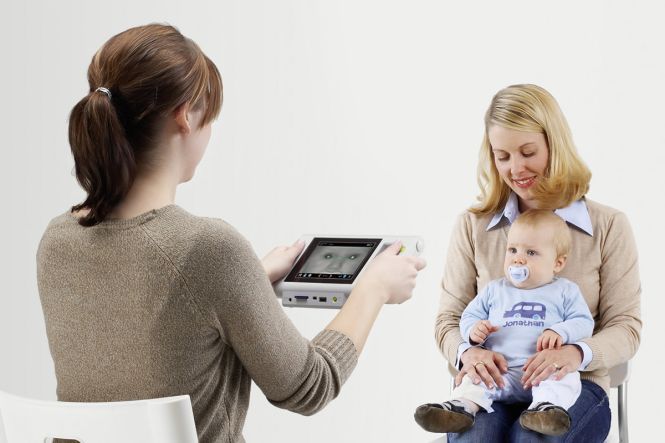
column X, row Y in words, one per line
column 142, row 299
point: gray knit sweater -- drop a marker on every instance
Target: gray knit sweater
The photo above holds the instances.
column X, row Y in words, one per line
column 168, row 303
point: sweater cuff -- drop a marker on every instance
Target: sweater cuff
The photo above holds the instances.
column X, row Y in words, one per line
column 597, row 357
column 587, row 354
column 340, row 349
column 460, row 350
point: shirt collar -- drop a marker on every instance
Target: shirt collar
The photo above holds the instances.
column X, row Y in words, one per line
column 576, row 214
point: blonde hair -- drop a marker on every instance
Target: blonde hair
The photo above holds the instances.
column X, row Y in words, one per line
column 541, row 218
column 530, row 108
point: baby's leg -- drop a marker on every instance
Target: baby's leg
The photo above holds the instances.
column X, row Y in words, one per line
column 562, row 393
column 477, row 395
column 548, row 414
column 455, row 415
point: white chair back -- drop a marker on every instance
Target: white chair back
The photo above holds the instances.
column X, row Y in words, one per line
column 163, row 420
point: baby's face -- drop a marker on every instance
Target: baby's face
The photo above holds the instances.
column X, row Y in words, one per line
column 335, row 260
column 534, row 249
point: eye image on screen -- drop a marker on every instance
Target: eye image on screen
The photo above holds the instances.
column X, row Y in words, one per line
column 335, row 260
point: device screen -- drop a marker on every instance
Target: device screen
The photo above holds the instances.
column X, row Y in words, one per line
column 333, row 260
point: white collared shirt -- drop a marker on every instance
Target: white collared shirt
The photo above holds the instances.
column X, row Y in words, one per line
column 575, row 214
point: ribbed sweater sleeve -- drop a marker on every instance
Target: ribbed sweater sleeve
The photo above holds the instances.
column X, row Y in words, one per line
column 458, row 288
column 619, row 325
column 338, row 354
column 229, row 281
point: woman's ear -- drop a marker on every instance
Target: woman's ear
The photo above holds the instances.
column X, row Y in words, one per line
column 181, row 116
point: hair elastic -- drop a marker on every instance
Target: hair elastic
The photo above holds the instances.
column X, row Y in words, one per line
column 105, row 91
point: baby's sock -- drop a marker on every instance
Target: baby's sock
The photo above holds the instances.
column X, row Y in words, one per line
column 468, row 405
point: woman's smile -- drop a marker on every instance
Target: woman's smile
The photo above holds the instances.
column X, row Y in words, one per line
column 525, row 183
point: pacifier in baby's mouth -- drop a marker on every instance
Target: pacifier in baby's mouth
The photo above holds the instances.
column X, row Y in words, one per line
column 518, row 274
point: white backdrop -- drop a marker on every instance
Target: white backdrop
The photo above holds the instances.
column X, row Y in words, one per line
column 344, row 117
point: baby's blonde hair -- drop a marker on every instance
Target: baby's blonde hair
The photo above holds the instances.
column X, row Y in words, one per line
column 530, row 108
column 539, row 218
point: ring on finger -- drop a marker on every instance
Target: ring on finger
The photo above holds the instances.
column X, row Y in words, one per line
column 556, row 366
column 478, row 363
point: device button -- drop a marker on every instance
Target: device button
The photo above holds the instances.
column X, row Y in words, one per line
column 420, row 245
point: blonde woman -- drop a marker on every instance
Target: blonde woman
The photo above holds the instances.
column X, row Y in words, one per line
column 528, row 160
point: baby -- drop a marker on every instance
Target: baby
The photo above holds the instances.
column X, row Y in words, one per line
column 335, row 260
column 528, row 310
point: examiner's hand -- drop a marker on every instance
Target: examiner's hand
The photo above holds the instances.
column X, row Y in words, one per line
column 559, row 362
column 390, row 276
column 280, row 260
column 483, row 365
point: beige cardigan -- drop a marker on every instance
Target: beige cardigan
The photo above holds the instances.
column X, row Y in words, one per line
column 603, row 265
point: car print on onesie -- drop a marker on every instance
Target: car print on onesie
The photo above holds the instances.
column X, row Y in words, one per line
column 535, row 311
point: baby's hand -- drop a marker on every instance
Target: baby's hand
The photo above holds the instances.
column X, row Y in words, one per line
column 480, row 331
column 549, row 340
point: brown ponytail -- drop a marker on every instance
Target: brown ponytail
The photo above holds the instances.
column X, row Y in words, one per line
column 149, row 71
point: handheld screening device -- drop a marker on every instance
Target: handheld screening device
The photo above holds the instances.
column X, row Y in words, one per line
column 324, row 274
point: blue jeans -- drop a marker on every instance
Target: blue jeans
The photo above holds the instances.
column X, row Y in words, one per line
column 590, row 415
